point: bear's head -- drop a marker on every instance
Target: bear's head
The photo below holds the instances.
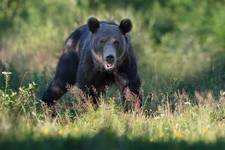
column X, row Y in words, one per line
column 108, row 42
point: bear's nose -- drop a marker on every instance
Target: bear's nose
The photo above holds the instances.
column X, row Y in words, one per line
column 110, row 59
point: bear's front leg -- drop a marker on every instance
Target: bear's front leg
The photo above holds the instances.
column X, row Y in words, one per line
column 65, row 75
column 90, row 92
column 84, row 82
column 130, row 90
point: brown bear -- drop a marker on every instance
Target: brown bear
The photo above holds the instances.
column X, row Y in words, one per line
column 96, row 55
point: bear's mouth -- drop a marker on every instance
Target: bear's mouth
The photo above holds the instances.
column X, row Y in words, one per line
column 109, row 66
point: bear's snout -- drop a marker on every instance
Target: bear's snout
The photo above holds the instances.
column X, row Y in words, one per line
column 110, row 62
column 109, row 55
column 110, row 59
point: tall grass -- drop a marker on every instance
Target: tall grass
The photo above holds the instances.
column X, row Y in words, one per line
column 25, row 119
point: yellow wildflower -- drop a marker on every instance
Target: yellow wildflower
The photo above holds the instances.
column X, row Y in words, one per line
column 64, row 131
column 60, row 132
column 76, row 129
column 161, row 134
column 45, row 131
column 177, row 134
column 205, row 130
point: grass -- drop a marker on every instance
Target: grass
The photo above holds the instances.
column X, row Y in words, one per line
column 27, row 123
column 180, row 51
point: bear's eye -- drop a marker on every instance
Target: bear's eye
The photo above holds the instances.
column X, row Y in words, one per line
column 102, row 41
column 116, row 43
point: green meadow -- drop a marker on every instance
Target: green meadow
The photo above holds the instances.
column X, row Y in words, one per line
column 180, row 50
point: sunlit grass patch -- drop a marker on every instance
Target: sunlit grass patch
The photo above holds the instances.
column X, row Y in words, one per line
column 204, row 122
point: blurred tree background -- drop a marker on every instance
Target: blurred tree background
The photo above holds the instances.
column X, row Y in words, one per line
column 180, row 44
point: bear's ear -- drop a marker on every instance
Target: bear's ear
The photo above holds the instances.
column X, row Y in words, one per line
column 93, row 24
column 125, row 26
